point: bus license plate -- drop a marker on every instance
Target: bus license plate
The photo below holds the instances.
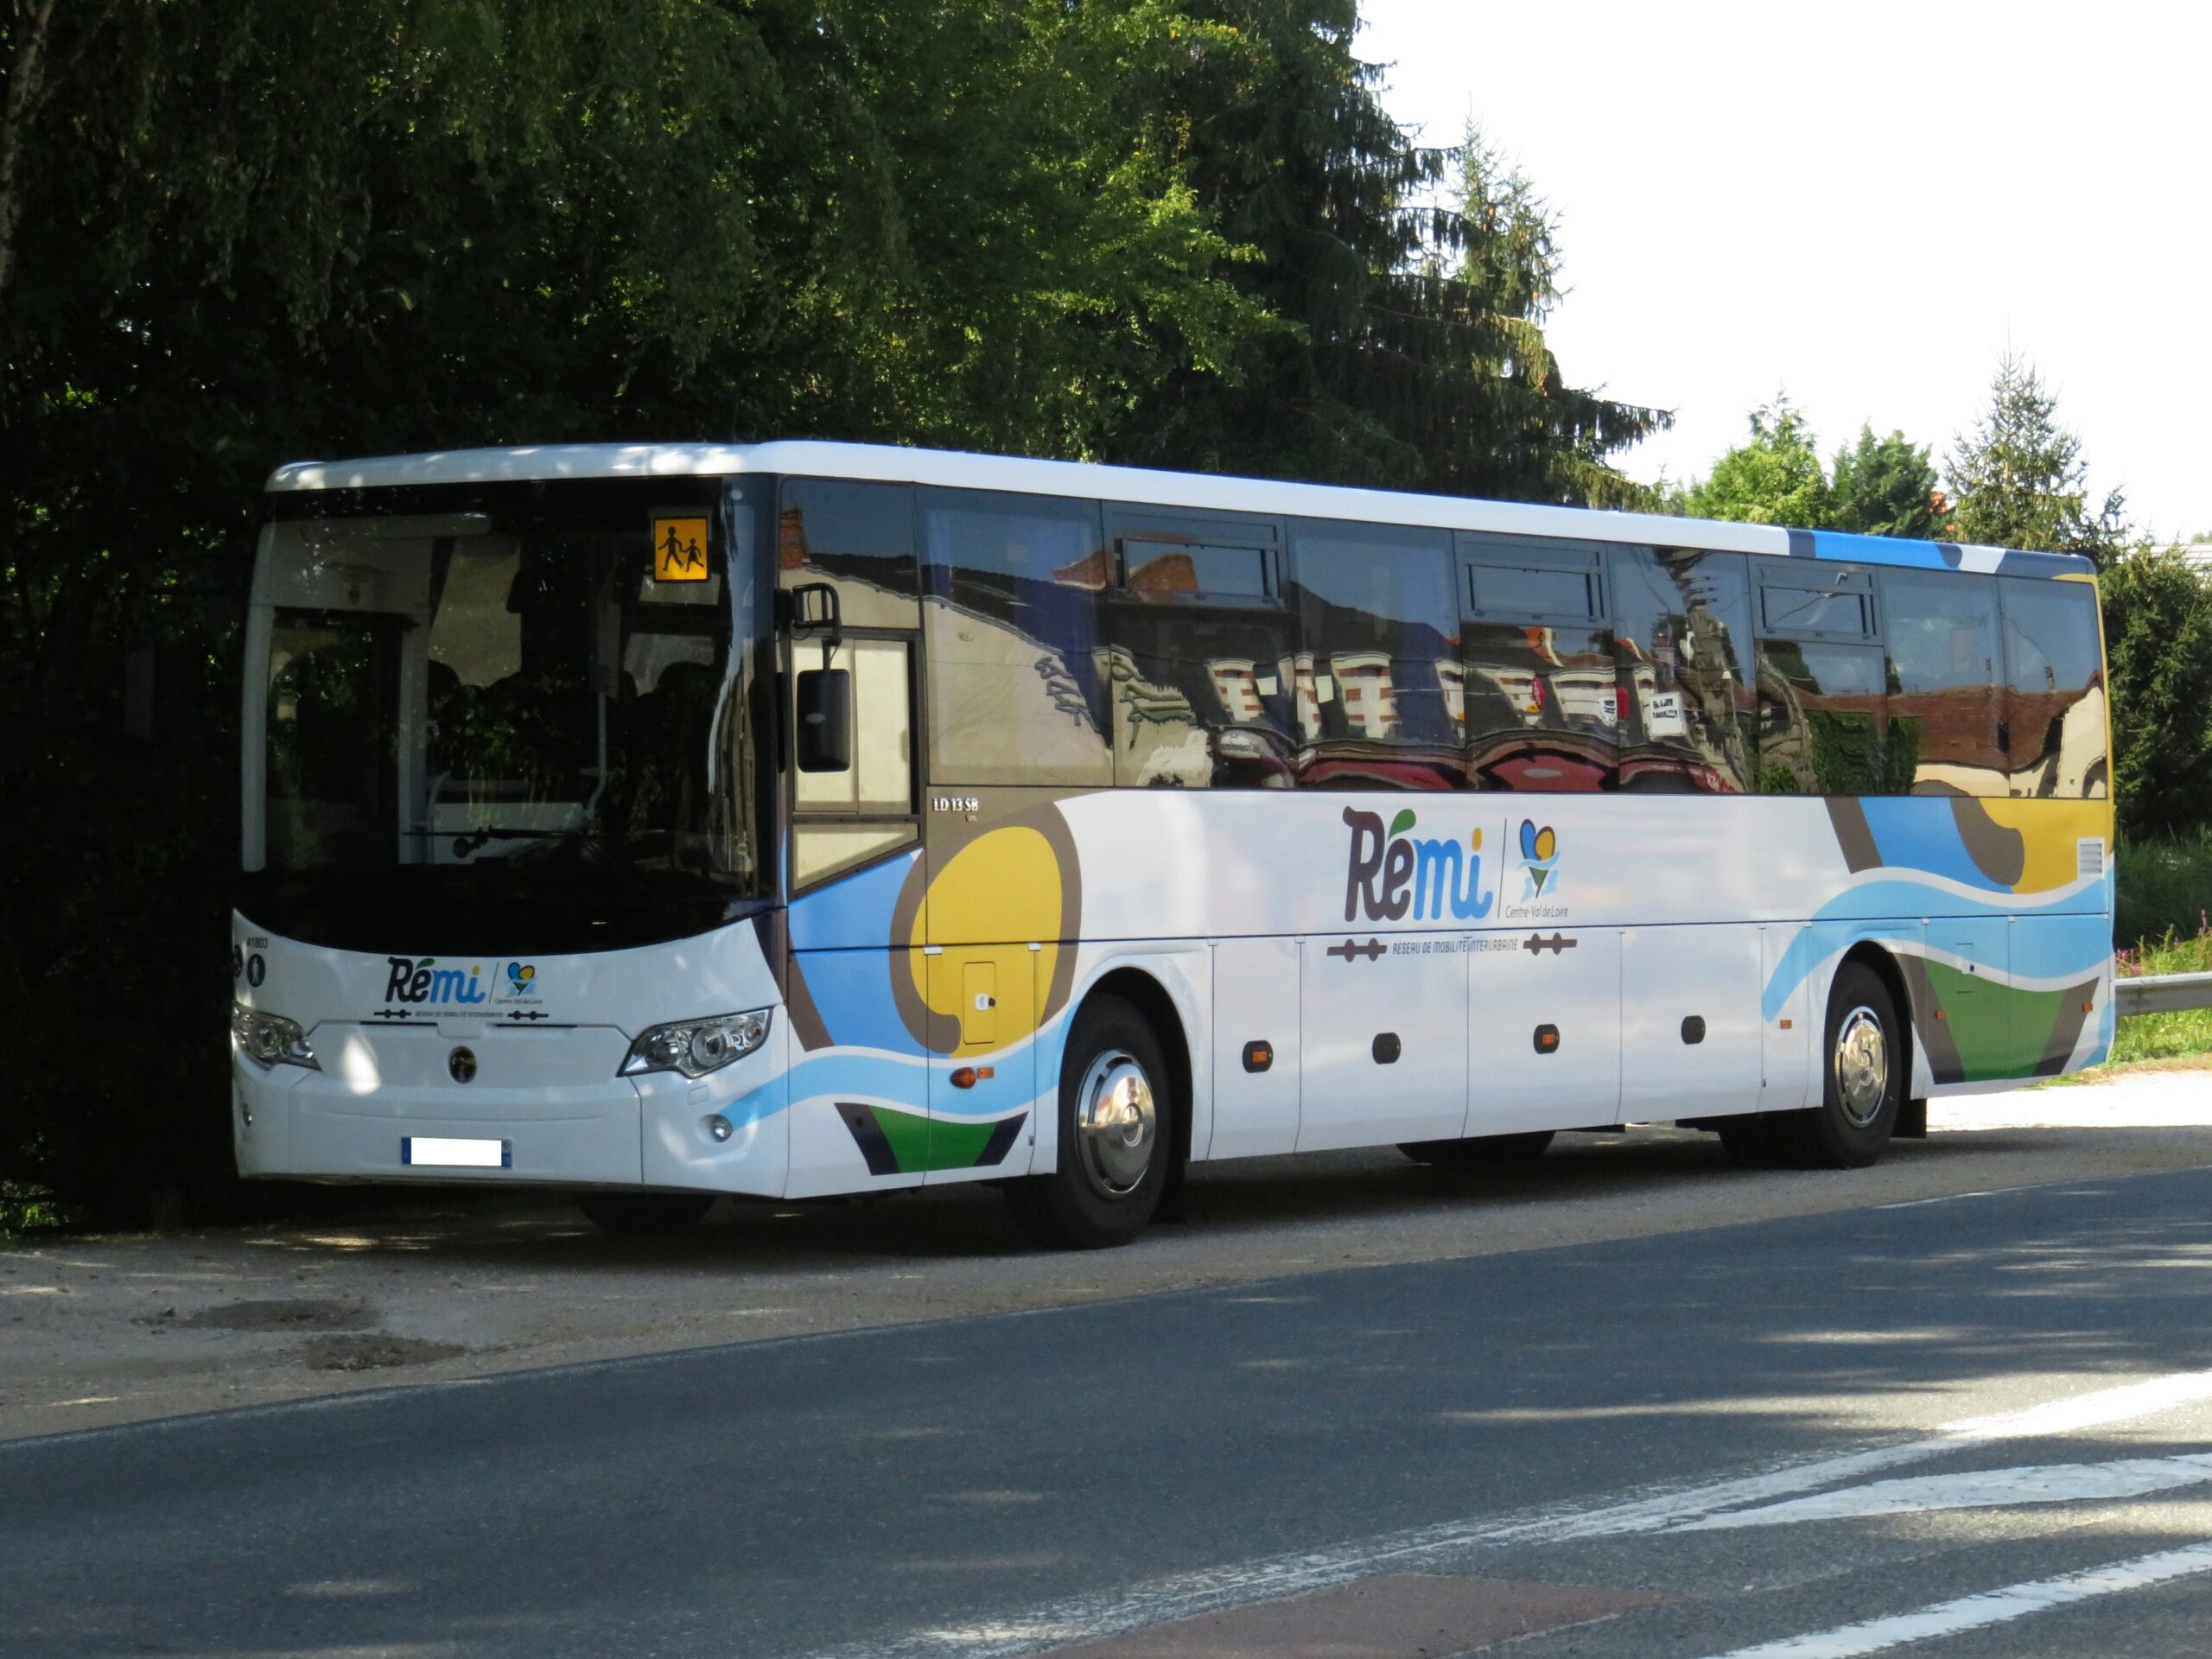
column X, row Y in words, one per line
column 436, row 1152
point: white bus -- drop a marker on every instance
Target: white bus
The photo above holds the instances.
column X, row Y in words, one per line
column 798, row 819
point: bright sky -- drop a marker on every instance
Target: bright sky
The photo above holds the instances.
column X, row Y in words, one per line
column 1863, row 204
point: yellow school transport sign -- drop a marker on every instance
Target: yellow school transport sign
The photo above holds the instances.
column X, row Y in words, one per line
column 679, row 549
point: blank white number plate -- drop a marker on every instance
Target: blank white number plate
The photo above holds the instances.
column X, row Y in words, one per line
column 437, row 1152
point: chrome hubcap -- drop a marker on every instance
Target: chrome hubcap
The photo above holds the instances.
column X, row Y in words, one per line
column 1862, row 1066
column 1115, row 1120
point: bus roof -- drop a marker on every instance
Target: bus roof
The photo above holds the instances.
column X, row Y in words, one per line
column 1200, row 492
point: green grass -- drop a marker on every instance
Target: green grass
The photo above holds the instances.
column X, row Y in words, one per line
column 2166, row 1036
column 2165, row 888
column 25, row 1209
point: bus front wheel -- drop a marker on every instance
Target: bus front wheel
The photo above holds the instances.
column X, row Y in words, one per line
column 634, row 1215
column 1116, row 1135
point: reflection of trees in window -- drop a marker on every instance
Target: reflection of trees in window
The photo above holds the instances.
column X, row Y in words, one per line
column 1681, row 615
column 1821, row 713
column 332, row 760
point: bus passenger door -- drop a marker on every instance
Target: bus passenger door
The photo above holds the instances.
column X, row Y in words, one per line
column 1544, row 1029
column 1383, row 1028
column 1256, row 1048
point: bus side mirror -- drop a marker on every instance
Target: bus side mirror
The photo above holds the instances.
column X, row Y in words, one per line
column 823, row 697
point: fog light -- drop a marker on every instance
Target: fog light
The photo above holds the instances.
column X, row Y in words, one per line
column 718, row 1126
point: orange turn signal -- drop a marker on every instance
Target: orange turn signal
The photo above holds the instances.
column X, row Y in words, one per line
column 964, row 1078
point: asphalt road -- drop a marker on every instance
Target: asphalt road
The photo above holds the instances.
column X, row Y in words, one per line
column 1975, row 1425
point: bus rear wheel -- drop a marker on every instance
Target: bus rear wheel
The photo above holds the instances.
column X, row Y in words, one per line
column 1480, row 1151
column 1116, row 1131
column 1864, row 1060
column 643, row 1215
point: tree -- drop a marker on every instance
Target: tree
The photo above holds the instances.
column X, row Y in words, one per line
column 2158, row 609
column 247, row 231
column 2019, row 478
column 1410, row 284
column 1774, row 478
column 1886, row 486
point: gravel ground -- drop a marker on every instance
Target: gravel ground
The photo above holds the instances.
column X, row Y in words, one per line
column 96, row 1331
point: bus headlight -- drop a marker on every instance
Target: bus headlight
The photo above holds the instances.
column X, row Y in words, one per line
column 696, row 1047
column 270, row 1040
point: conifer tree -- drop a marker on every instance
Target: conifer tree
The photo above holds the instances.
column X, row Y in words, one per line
column 2019, row 478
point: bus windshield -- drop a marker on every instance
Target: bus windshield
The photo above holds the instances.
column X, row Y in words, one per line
column 546, row 698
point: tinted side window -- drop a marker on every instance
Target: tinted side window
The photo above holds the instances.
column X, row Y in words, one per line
column 1945, row 704
column 2055, row 697
column 1821, row 720
column 1683, row 621
column 1197, row 654
column 859, row 538
column 1376, row 681
column 1542, row 702
column 1011, row 595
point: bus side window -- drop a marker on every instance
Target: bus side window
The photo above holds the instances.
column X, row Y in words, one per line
column 1542, row 705
column 1684, row 625
column 1196, row 651
column 1010, row 614
column 2055, row 690
column 859, row 539
column 1376, row 677
column 1946, row 704
column 1821, row 682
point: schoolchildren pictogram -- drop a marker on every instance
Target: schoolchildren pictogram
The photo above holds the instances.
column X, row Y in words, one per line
column 679, row 549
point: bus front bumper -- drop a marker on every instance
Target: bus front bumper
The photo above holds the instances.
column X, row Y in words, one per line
column 386, row 1107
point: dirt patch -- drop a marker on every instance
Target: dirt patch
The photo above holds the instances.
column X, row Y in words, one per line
column 376, row 1351
column 289, row 1315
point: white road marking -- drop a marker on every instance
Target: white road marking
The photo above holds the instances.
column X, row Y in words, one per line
column 1976, row 1489
column 1110, row 1612
column 1991, row 1607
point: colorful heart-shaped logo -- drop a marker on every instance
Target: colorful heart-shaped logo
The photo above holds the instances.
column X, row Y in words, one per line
column 1539, row 854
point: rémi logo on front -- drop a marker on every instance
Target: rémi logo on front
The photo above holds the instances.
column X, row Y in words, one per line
column 421, row 979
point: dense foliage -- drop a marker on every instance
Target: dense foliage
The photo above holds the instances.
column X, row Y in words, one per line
column 2158, row 610
column 241, row 232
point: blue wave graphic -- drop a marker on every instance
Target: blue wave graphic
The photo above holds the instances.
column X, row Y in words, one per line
column 2072, row 944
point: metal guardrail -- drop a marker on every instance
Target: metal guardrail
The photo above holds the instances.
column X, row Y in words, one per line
column 2161, row 993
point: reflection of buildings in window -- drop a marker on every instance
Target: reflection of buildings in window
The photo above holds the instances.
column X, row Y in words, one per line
column 2069, row 730
column 1237, row 683
column 1306, row 692
column 1452, row 679
column 1519, row 687
column 1369, row 698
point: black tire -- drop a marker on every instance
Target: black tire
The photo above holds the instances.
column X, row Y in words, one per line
column 644, row 1215
column 1480, row 1151
column 1862, row 1037
column 1110, row 1181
